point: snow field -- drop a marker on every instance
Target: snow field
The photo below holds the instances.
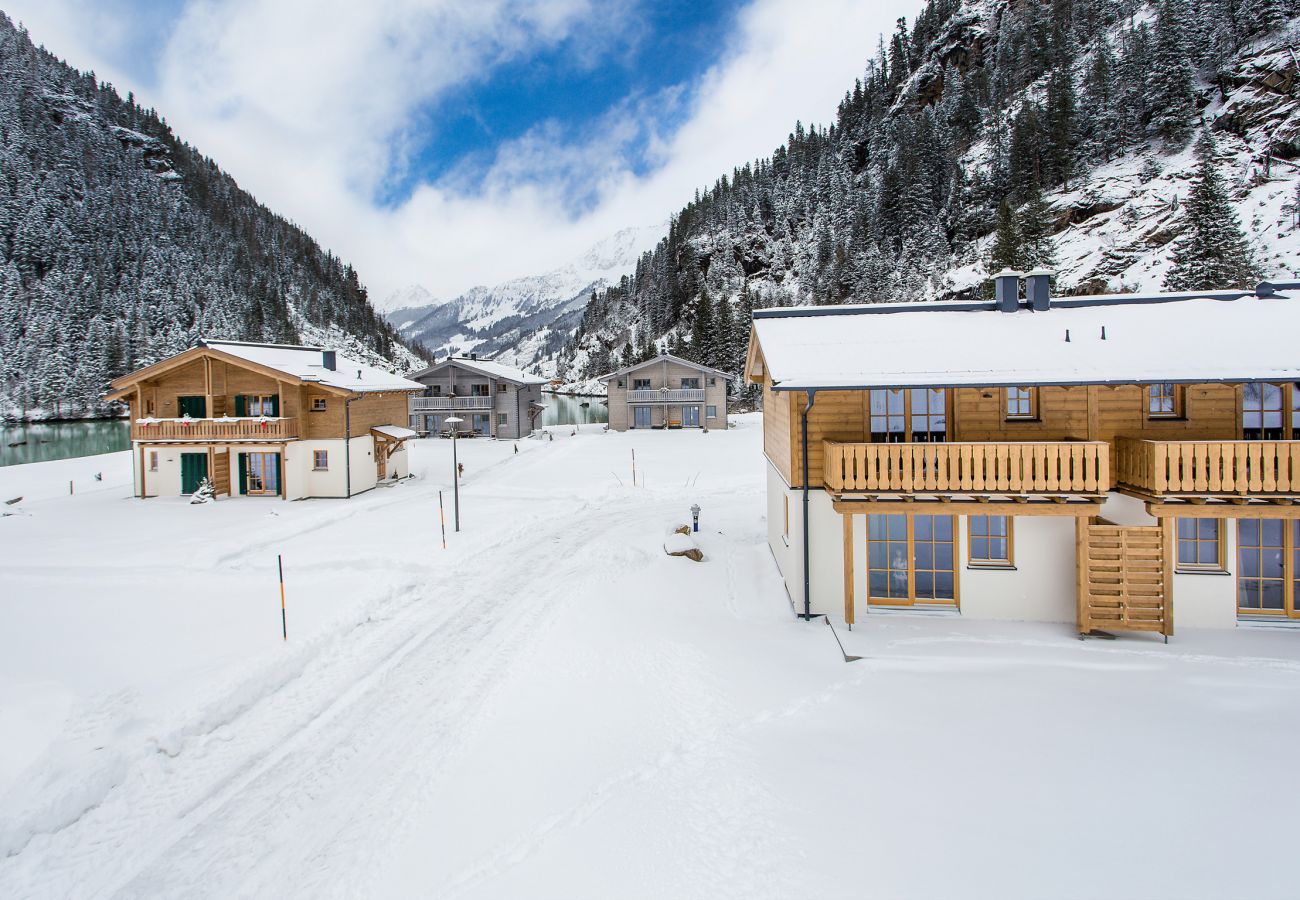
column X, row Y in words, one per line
column 555, row 708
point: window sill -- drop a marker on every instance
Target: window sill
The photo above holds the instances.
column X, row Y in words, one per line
column 1023, row 420
column 1188, row 571
column 991, row 567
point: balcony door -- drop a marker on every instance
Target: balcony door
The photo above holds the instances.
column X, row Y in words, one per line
column 259, row 474
column 194, row 407
column 691, row 416
column 641, row 417
column 911, row 559
column 918, row 415
column 1268, row 567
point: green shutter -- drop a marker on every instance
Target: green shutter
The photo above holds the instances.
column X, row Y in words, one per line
column 243, row 471
column 241, row 409
column 278, row 474
column 275, row 405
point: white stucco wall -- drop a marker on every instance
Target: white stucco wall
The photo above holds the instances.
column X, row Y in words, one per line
column 1042, row 585
column 1209, row 600
column 783, row 547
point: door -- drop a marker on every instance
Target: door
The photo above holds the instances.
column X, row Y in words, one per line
column 481, row 423
column 641, row 417
column 261, row 473
column 194, row 407
column 910, row 560
column 1268, row 567
column 691, row 416
column 194, row 468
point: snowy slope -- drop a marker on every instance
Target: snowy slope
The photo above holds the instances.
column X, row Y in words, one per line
column 520, row 318
column 552, row 707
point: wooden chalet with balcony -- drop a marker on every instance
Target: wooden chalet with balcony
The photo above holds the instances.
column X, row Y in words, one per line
column 490, row 399
column 1122, row 462
column 264, row 420
column 667, row 392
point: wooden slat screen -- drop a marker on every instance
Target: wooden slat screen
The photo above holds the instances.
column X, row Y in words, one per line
column 1036, row 467
column 1125, row 578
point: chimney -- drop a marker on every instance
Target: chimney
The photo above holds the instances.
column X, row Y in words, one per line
column 329, row 359
column 1038, row 288
column 1007, row 290
column 473, row 356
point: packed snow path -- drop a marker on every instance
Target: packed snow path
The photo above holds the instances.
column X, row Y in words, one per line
column 553, row 707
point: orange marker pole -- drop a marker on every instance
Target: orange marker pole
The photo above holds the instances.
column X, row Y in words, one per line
column 284, row 621
column 442, row 520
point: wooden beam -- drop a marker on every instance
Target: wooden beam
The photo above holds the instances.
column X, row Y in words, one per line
column 208, row 411
column 1223, row 511
column 966, row 507
column 848, row 568
column 1167, row 528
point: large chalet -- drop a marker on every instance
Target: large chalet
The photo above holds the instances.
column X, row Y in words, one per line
column 265, row 420
column 1121, row 462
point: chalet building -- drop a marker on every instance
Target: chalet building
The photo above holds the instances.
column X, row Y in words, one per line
column 667, row 392
column 265, row 420
column 489, row 398
column 1121, row 462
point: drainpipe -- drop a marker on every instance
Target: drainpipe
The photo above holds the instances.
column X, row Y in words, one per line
column 807, row 576
column 347, row 443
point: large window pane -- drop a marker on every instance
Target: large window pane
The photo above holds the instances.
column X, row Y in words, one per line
column 1261, row 412
column 887, row 416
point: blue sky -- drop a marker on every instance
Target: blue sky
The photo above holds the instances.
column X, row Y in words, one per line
column 449, row 143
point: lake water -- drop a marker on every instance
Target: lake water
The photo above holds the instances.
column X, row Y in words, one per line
column 62, row 440
column 562, row 409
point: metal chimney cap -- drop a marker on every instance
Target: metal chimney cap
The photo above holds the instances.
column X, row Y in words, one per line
column 1007, row 273
column 1047, row 272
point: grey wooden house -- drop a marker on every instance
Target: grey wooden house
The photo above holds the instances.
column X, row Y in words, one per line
column 492, row 399
column 667, row 392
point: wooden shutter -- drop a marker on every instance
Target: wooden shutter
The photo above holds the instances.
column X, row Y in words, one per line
column 241, row 410
column 243, row 472
column 275, row 404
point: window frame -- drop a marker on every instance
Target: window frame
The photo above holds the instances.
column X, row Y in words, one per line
column 1290, row 548
column 318, row 404
column 153, row 460
column 785, row 526
column 1176, row 399
column 1218, row 567
column 1289, row 412
column 691, row 384
column 503, row 420
column 641, row 384
column 316, row 457
column 971, row 562
column 710, row 411
column 1031, row 396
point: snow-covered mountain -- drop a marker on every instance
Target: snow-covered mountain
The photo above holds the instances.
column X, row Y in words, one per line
column 524, row 321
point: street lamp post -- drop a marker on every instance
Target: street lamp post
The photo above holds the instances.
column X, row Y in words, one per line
column 454, row 422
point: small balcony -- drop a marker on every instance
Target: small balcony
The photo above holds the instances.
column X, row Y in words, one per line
column 1039, row 467
column 254, row 428
column 667, row 395
column 446, row 404
column 1209, row 468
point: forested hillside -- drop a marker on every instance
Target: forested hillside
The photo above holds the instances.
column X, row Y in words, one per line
column 121, row 244
column 992, row 133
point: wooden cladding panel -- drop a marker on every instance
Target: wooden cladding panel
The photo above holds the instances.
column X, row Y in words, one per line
column 221, row 473
column 837, row 416
column 778, row 437
column 1014, row 468
column 1126, row 578
column 375, row 409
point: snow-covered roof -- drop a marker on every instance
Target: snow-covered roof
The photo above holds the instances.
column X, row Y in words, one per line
column 396, row 432
column 308, row 364
column 484, row 367
column 664, row 357
column 1218, row 336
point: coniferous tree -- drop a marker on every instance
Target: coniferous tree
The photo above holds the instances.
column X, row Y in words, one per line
column 1006, row 252
column 1173, row 94
column 1212, row 253
column 1036, row 248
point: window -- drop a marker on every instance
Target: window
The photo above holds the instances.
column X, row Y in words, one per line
column 262, row 405
column 501, row 419
column 320, row 460
column 887, row 416
column 318, row 404
column 620, row 382
column 479, row 390
column 690, row 384
column 153, row 460
column 1164, row 400
column 480, row 423
column 785, row 523
column 712, row 381
column 435, row 390
column 640, row 384
column 1268, row 567
column 990, row 541
column 929, row 414
column 501, row 387
column 711, row 412
column 1200, row 545
column 1261, row 412
column 1022, row 403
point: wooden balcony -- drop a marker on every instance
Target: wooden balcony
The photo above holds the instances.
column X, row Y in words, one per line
column 667, row 395
column 446, row 404
column 1040, row 467
column 223, row 429
column 1209, row 468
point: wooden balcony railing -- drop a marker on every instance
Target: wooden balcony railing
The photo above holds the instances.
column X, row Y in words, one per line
column 223, row 429
column 1040, row 467
column 671, row 395
column 436, row 404
column 1208, row 468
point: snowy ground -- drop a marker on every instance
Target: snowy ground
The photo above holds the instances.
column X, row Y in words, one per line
column 553, row 708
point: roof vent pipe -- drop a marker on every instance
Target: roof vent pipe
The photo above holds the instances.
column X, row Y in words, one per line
column 1007, row 290
column 1038, row 288
column 329, row 359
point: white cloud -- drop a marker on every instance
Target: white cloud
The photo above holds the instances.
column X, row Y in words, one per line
column 313, row 105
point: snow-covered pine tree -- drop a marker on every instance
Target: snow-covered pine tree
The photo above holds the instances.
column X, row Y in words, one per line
column 1213, row 253
column 1173, row 78
column 1036, row 248
column 1006, row 251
